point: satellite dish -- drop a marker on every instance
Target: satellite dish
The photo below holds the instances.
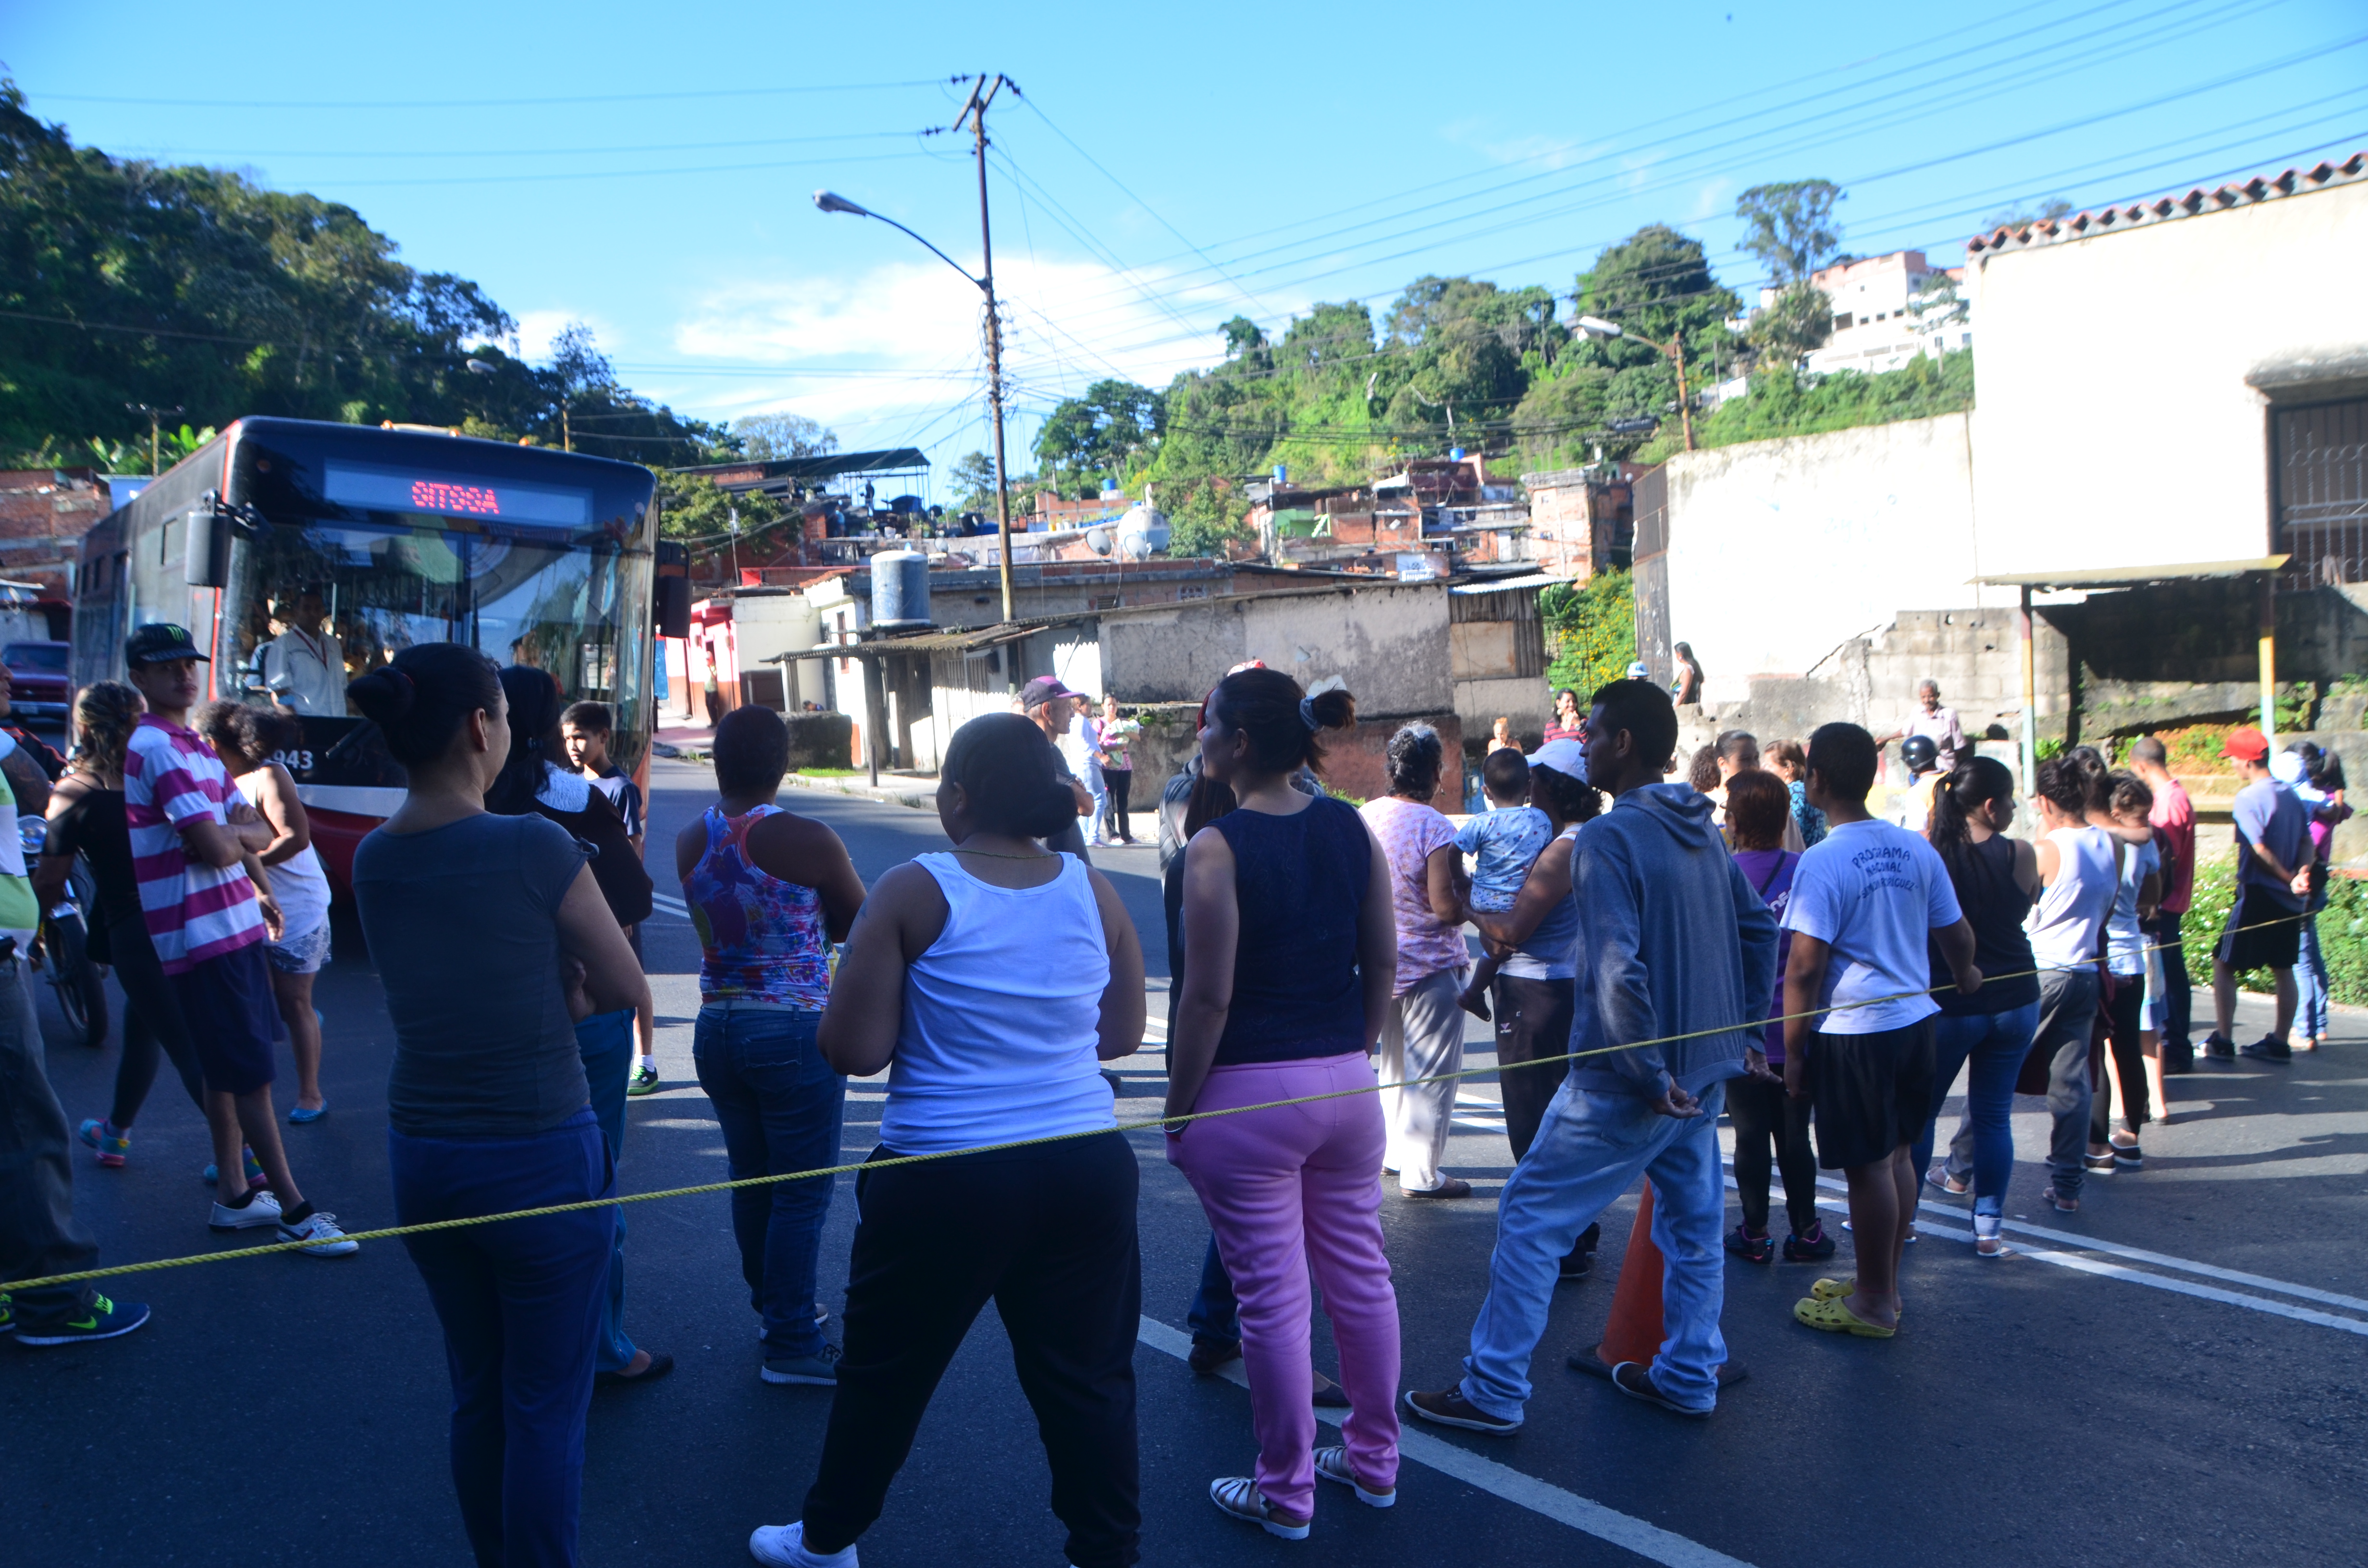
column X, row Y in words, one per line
column 1098, row 540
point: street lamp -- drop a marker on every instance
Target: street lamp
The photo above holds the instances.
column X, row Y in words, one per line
column 830, row 201
column 1596, row 326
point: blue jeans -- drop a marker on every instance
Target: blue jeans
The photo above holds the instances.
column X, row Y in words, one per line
column 1590, row 1149
column 1215, row 1317
column 780, row 1107
column 521, row 1306
column 606, row 1042
column 1996, row 1044
column 2310, row 976
column 1098, row 788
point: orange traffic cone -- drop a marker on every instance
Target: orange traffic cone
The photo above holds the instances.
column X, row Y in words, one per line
column 1636, row 1330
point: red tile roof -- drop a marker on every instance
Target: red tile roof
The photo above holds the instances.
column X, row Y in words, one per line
column 2106, row 221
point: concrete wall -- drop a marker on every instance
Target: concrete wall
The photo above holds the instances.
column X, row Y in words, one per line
column 1781, row 551
column 2114, row 378
column 1872, row 680
column 1387, row 641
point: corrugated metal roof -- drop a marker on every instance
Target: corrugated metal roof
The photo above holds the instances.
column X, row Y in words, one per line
column 2132, row 576
column 1533, row 582
column 2108, row 220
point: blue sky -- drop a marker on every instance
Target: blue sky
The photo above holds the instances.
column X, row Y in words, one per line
column 648, row 169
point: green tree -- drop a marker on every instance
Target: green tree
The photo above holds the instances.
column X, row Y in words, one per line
column 129, row 282
column 1109, row 430
column 693, row 507
column 1792, row 325
column 1790, row 227
column 777, row 438
column 1593, row 631
column 1657, row 285
column 972, row 480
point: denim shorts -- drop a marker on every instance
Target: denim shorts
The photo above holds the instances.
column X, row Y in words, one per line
column 300, row 955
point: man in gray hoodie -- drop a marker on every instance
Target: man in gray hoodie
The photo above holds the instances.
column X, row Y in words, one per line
column 1674, row 942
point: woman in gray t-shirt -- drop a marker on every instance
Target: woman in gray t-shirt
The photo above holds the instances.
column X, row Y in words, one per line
column 489, row 933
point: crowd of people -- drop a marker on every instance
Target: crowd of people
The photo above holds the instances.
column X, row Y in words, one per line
column 1656, row 951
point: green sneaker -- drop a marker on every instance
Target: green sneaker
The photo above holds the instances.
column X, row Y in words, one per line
column 644, row 1079
column 99, row 1319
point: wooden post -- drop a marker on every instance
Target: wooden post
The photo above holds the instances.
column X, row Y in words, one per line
column 2024, row 635
column 1685, row 414
column 2269, row 650
column 874, row 716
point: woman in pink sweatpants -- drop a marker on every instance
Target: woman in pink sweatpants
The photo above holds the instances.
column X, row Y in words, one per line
column 1289, row 951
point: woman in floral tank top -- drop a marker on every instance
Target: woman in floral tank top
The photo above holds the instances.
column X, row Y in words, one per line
column 770, row 891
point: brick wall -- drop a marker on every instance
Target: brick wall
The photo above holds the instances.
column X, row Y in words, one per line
column 44, row 515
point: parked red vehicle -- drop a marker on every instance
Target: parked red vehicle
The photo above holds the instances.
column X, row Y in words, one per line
column 39, row 688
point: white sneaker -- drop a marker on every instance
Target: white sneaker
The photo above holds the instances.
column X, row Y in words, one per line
column 320, row 1229
column 784, row 1546
column 257, row 1211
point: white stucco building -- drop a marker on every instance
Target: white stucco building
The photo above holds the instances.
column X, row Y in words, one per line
column 1876, row 325
column 2167, row 385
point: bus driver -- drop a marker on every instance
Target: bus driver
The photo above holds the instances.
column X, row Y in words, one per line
column 307, row 659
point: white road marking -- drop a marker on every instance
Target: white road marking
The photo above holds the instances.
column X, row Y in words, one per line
column 667, row 904
column 1624, row 1530
column 1963, row 1232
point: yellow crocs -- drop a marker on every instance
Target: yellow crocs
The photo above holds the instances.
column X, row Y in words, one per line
column 1835, row 1317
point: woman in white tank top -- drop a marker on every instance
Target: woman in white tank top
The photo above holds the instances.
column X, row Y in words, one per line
column 990, row 981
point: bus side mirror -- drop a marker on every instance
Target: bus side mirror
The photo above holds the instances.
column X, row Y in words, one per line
column 672, row 601
column 206, row 563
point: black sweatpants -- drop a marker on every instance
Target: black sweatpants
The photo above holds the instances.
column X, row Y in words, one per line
column 1047, row 1233
column 1120, row 784
column 1764, row 1117
column 2124, row 1017
column 152, row 1026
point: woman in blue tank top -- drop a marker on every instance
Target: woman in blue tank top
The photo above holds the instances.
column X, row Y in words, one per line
column 1290, row 958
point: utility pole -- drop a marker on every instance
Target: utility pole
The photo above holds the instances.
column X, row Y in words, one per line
column 566, row 436
column 1685, row 410
column 982, row 92
column 156, row 420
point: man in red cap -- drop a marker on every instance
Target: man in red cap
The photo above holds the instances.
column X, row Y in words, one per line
column 2264, row 929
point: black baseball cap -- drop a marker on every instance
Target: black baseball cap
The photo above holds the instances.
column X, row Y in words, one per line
column 160, row 641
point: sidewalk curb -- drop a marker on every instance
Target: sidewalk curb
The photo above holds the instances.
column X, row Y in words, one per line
column 919, row 802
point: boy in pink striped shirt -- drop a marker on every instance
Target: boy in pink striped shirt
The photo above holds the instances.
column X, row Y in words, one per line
column 192, row 856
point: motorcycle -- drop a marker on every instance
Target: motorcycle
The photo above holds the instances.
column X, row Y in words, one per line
column 61, row 949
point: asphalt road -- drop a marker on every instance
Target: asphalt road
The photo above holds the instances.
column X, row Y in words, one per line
column 2176, row 1374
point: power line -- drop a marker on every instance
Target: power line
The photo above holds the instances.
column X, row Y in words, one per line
column 520, row 152
column 1966, row 86
column 496, row 103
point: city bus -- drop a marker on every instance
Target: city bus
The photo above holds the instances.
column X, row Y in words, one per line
column 391, row 537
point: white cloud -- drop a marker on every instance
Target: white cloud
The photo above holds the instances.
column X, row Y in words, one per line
column 883, row 353
column 1712, row 200
column 537, row 330
column 1545, row 152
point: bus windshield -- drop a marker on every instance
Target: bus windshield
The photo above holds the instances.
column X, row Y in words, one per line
column 321, row 602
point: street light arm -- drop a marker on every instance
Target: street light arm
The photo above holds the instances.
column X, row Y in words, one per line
column 829, row 202
column 975, row 282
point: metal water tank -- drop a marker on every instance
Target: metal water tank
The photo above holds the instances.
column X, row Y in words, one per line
column 1143, row 532
column 900, row 589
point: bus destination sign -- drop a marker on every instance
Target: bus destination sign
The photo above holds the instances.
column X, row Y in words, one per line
column 494, row 501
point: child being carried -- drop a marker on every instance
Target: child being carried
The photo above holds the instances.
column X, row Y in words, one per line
column 1504, row 841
